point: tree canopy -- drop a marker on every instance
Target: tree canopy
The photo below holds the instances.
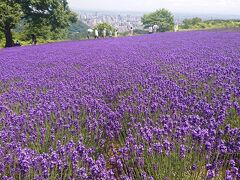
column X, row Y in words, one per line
column 77, row 30
column 197, row 23
column 10, row 14
column 102, row 26
column 54, row 15
column 187, row 23
column 162, row 17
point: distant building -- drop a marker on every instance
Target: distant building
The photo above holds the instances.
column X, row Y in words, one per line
column 120, row 21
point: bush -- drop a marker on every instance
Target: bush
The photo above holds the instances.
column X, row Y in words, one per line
column 103, row 26
column 162, row 17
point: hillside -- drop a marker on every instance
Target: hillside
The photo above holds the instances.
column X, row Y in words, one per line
column 160, row 106
column 77, row 31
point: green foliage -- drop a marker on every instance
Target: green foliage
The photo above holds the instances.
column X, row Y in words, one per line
column 222, row 23
column 10, row 14
column 2, row 40
column 191, row 22
column 103, row 26
column 162, row 17
column 136, row 31
column 197, row 23
column 56, row 12
column 140, row 31
column 77, row 30
column 47, row 19
column 1, row 36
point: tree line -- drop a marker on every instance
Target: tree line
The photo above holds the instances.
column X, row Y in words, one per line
column 197, row 23
column 53, row 19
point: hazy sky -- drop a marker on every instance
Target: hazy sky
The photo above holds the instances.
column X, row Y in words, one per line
column 184, row 6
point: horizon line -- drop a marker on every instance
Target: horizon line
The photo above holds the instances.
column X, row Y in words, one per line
column 174, row 12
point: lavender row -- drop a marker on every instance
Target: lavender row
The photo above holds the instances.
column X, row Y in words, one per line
column 150, row 107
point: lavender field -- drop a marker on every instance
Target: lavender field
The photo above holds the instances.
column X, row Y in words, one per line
column 162, row 106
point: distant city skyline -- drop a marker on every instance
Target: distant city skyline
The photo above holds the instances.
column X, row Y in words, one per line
column 225, row 7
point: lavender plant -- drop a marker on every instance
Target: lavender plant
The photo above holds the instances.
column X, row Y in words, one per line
column 149, row 107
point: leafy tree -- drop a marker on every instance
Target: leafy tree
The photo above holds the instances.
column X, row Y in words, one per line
column 162, row 17
column 77, row 30
column 1, row 35
column 196, row 20
column 10, row 14
column 189, row 23
column 44, row 31
column 140, row 31
column 103, row 26
column 1, row 39
column 53, row 14
column 198, row 23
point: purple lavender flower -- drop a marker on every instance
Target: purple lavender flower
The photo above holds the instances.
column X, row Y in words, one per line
column 210, row 174
column 123, row 108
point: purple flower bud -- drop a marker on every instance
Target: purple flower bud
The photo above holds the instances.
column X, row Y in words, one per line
column 194, row 167
column 229, row 177
column 232, row 163
column 234, row 170
column 210, row 174
column 209, row 166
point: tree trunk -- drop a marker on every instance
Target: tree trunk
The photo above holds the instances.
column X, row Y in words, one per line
column 8, row 36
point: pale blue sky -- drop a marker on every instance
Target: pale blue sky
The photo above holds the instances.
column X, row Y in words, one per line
column 182, row 6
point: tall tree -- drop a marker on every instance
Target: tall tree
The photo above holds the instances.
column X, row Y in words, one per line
column 189, row 23
column 77, row 30
column 162, row 17
column 103, row 26
column 10, row 14
column 53, row 13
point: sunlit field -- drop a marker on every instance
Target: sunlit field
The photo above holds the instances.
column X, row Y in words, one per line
column 161, row 106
